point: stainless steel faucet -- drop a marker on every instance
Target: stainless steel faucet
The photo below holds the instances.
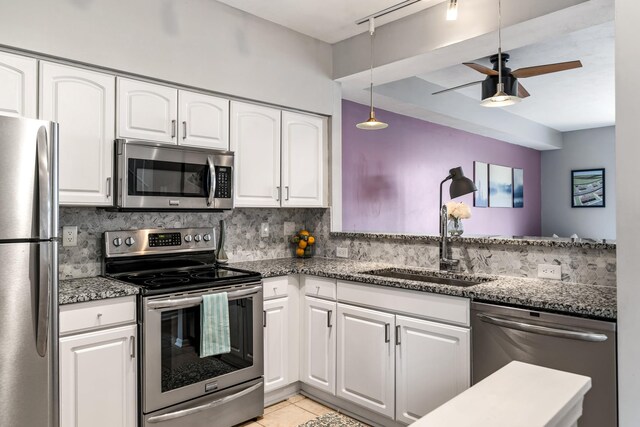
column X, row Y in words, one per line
column 446, row 264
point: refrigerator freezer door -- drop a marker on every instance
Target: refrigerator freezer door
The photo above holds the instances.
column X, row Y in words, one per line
column 28, row 179
column 27, row 380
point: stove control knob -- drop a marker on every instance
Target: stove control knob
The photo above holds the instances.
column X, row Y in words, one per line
column 207, row 237
column 130, row 241
column 188, row 238
column 117, row 241
column 197, row 237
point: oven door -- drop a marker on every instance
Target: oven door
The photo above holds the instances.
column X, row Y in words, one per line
column 172, row 369
column 153, row 176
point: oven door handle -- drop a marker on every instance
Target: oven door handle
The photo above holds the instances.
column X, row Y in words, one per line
column 542, row 330
column 192, row 301
column 201, row 408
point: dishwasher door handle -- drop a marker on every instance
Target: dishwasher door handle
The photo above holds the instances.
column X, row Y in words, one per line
column 542, row 330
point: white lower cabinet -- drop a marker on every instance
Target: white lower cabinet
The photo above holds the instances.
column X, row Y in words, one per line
column 276, row 343
column 318, row 352
column 366, row 358
column 432, row 366
column 98, row 378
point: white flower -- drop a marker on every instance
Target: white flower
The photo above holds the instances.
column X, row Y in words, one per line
column 458, row 210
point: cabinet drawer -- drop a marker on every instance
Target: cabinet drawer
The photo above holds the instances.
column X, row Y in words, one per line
column 275, row 287
column 96, row 314
column 320, row 287
column 425, row 305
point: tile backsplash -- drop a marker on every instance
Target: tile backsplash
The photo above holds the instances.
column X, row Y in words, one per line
column 243, row 243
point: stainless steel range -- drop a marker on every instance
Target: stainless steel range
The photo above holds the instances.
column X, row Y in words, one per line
column 175, row 269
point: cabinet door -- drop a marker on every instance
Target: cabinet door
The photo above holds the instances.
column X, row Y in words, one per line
column 302, row 160
column 319, row 344
column 98, row 379
column 276, row 343
column 147, row 111
column 255, row 139
column 432, row 366
column 366, row 358
column 18, row 85
column 82, row 102
column 204, row 121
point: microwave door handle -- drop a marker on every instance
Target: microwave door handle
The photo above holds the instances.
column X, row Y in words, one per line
column 212, row 180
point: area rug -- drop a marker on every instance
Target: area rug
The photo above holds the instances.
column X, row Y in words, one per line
column 332, row 419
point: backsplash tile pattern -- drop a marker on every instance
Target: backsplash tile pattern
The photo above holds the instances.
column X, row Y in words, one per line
column 243, row 241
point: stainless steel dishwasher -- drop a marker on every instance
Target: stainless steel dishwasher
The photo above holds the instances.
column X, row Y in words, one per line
column 573, row 344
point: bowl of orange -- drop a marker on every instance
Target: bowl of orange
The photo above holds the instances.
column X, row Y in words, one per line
column 303, row 244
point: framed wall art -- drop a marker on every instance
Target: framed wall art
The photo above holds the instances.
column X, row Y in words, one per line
column 481, row 180
column 587, row 188
column 500, row 187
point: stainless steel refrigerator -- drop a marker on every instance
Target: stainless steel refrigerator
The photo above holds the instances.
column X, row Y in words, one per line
column 28, row 273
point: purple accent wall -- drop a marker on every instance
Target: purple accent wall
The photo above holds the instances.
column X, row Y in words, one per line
column 391, row 177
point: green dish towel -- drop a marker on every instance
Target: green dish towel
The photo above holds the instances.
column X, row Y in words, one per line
column 214, row 329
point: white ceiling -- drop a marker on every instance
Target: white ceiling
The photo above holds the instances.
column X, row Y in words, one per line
column 328, row 20
column 569, row 100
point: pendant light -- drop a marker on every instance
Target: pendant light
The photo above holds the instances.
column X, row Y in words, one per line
column 452, row 10
column 372, row 123
column 500, row 99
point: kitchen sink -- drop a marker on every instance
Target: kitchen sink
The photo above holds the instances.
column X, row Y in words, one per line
column 427, row 276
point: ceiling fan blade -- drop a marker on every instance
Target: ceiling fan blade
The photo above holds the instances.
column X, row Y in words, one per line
column 522, row 92
column 545, row 69
column 481, row 68
column 457, row 87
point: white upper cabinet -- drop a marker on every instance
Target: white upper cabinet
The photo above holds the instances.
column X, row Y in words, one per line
column 83, row 103
column 432, row 366
column 303, row 160
column 255, row 139
column 18, row 85
column 204, row 121
column 147, row 111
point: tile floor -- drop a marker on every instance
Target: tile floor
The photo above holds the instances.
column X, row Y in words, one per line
column 292, row 412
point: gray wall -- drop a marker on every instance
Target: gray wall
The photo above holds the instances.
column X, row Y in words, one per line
column 583, row 149
column 201, row 43
column 627, row 155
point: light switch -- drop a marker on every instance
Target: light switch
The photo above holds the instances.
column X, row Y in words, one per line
column 264, row 229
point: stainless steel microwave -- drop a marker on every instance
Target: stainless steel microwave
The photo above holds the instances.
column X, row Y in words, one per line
column 159, row 177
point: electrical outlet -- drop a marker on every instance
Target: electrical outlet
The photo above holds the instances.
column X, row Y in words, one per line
column 70, row 235
column 342, row 252
column 549, row 271
column 264, row 229
column 289, row 229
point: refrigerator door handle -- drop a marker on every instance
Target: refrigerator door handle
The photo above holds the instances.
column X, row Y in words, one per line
column 44, row 296
column 44, row 190
column 44, row 262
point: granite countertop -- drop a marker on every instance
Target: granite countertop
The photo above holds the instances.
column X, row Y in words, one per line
column 550, row 295
column 562, row 297
column 91, row 289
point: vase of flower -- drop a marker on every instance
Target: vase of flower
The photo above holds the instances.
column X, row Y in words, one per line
column 454, row 227
column 456, row 213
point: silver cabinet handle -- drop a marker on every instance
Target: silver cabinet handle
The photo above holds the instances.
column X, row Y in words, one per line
column 542, row 330
column 212, row 180
column 329, row 313
column 264, row 318
column 277, row 194
column 184, row 130
column 108, row 187
column 132, row 342
column 196, row 409
column 398, row 331
column 387, row 332
column 286, row 189
column 173, row 129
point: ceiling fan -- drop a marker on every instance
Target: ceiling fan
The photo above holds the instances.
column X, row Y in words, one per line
column 501, row 87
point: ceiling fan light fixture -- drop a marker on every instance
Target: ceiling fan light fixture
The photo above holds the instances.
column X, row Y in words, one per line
column 452, row 10
column 500, row 99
